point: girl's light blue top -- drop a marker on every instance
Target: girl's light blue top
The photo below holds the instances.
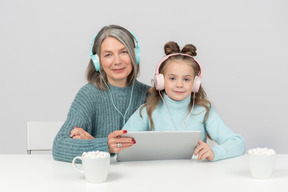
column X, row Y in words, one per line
column 229, row 144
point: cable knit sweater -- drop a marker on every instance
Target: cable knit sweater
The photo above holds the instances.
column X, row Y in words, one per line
column 93, row 111
column 229, row 143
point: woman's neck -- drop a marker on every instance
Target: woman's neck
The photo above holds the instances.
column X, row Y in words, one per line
column 119, row 83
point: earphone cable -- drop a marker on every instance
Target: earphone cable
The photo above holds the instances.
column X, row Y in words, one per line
column 167, row 110
column 111, row 97
column 193, row 104
column 170, row 115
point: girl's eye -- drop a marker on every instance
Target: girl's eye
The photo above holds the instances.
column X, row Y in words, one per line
column 172, row 78
column 187, row 80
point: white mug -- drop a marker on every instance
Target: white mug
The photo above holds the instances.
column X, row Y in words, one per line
column 95, row 166
column 261, row 162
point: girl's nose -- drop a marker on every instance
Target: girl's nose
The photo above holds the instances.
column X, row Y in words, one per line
column 179, row 83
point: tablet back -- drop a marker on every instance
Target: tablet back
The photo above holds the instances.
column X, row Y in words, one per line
column 160, row 145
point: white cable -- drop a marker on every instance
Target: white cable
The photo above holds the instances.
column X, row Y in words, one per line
column 170, row 115
column 167, row 110
column 190, row 110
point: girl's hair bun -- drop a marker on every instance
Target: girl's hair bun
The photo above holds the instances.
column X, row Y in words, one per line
column 171, row 47
column 189, row 49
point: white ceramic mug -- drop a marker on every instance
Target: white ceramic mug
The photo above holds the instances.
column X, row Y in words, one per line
column 95, row 166
column 261, row 162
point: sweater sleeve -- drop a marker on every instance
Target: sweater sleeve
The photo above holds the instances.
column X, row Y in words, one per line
column 137, row 122
column 66, row 148
column 229, row 143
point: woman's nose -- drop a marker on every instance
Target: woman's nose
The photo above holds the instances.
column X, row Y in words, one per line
column 117, row 59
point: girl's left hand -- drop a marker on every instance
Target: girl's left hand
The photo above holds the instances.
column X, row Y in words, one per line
column 204, row 151
column 79, row 133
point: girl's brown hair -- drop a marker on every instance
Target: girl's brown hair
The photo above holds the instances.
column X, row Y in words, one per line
column 152, row 95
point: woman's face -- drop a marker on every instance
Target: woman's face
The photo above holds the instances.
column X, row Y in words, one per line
column 115, row 61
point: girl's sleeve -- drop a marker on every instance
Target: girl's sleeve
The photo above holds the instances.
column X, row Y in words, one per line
column 229, row 143
column 137, row 122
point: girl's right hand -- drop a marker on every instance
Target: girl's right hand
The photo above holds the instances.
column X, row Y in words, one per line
column 204, row 151
column 114, row 138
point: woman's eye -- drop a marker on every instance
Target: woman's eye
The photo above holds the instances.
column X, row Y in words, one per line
column 124, row 52
column 107, row 55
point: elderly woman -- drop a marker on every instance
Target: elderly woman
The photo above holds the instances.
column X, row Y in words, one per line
column 105, row 103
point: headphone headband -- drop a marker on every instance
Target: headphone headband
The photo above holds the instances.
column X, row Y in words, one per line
column 175, row 54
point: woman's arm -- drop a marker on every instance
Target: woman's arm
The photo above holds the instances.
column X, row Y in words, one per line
column 66, row 148
column 82, row 114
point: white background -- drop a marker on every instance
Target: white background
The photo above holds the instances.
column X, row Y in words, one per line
column 242, row 46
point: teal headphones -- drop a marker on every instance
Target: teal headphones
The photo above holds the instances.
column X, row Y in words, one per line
column 95, row 58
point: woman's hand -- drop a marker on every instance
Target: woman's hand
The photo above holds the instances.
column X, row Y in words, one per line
column 79, row 133
column 117, row 143
column 204, row 151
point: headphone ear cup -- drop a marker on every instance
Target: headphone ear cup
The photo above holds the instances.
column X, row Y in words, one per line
column 196, row 84
column 95, row 60
column 159, row 82
column 137, row 54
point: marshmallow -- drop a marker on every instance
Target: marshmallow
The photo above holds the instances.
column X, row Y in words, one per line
column 95, row 155
column 261, row 151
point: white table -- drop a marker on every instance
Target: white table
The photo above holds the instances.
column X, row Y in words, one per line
column 41, row 173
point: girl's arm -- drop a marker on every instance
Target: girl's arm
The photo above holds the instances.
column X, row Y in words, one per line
column 138, row 123
column 230, row 144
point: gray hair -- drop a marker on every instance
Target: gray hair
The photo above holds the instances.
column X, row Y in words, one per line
column 127, row 39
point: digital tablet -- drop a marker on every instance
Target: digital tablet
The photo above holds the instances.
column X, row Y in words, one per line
column 160, row 145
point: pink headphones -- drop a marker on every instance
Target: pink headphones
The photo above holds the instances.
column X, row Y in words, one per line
column 159, row 78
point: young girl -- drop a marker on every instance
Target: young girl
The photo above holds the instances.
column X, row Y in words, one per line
column 177, row 102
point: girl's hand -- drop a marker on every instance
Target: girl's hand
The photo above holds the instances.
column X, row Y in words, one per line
column 204, row 151
column 79, row 133
column 124, row 142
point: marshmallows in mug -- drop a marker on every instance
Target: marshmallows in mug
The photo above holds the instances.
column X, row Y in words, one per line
column 95, row 155
column 261, row 151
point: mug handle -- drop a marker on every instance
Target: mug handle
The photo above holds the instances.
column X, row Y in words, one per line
column 75, row 165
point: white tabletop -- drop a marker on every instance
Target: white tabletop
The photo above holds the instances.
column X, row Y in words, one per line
column 42, row 173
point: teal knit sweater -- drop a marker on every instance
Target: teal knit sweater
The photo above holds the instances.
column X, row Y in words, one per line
column 229, row 145
column 93, row 111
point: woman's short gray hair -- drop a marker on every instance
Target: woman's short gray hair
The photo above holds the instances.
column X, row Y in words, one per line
column 127, row 39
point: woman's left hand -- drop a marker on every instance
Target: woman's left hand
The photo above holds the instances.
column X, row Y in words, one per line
column 79, row 133
column 204, row 151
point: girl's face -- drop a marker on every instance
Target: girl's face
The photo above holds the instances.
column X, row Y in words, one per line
column 115, row 61
column 179, row 79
